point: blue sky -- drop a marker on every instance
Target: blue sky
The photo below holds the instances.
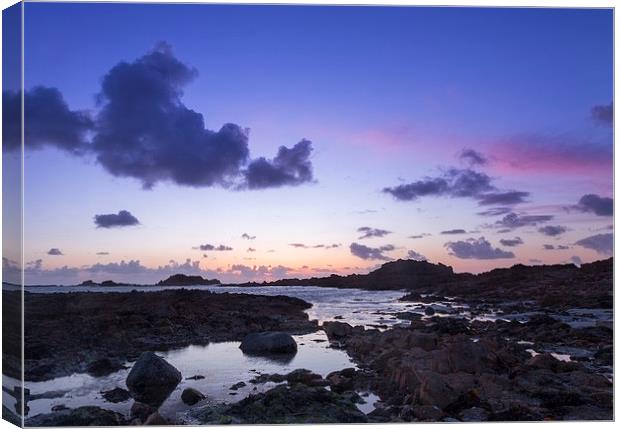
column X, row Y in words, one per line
column 387, row 96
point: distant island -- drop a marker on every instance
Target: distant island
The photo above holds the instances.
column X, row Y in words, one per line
column 184, row 280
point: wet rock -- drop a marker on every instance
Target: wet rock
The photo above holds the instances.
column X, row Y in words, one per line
column 286, row 404
column 60, row 407
column 474, row 414
column 115, row 395
column 156, row 419
column 141, row 411
column 428, row 413
column 305, row 376
column 429, row 311
column 196, row 377
column 104, row 366
column 434, row 390
column 191, row 396
column 268, row 343
column 238, row 386
column 340, row 330
column 152, row 379
column 82, row 416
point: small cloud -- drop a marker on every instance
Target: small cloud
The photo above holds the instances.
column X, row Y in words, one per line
column 247, row 236
column 600, row 243
column 603, row 114
column 513, row 220
column 503, row 198
column 476, row 249
column 562, row 247
column 211, row 248
column 496, row 211
column 511, row 242
column 472, row 157
column 54, row 252
column 102, row 253
column 368, row 232
column 121, row 219
column 316, row 246
column 371, row 253
column 251, row 249
column 548, row 247
column 552, row 230
column 412, row 254
column 415, row 237
column 453, row 232
column 600, row 206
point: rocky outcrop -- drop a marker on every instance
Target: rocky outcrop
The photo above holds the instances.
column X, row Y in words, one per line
column 264, row 343
column 285, row 404
column 82, row 416
column 152, row 379
column 184, row 280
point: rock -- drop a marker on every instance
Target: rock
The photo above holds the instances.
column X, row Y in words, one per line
column 156, row 419
column 429, row 311
column 305, row 376
column 286, row 404
column 428, row 413
column 196, row 377
column 116, row 395
column 141, row 411
column 191, row 396
column 268, row 343
column 104, row 366
column 434, row 390
column 340, row 330
column 60, row 407
column 82, row 416
column 152, row 379
column 237, row 386
column 424, row 341
column 544, row 361
column 474, row 414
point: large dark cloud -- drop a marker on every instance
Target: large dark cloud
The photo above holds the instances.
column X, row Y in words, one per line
column 211, row 247
column 600, row 243
column 514, row 220
column 120, row 219
column 49, row 121
column 290, row 167
column 371, row 253
column 511, row 242
column 600, row 206
column 603, row 114
column 54, row 252
column 455, row 182
column 472, row 157
column 142, row 130
column 552, row 230
column 368, row 232
column 476, row 249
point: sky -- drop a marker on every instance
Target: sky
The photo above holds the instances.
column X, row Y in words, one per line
column 262, row 142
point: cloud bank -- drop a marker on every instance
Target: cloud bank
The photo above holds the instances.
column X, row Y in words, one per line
column 121, row 219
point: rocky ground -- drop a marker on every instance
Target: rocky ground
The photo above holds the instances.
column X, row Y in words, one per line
column 98, row 332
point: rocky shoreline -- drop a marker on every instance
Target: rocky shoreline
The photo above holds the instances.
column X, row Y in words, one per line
column 98, row 332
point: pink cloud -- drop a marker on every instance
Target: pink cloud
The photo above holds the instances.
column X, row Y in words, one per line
column 534, row 153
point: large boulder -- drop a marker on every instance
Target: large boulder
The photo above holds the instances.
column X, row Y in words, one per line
column 152, row 379
column 261, row 343
column 191, row 396
column 340, row 330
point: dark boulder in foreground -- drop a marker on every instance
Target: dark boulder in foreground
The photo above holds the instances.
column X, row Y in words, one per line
column 260, row 343
column 285, row 404
column 152, row 379
column 116, row 395
column 82, row 416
